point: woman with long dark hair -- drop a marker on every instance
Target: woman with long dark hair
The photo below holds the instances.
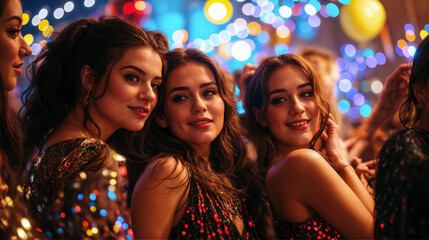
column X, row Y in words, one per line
column 96, row 77
column 195, row 181
column 13, row 49
column 402, row 172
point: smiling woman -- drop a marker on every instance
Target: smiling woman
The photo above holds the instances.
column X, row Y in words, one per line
column 287, row 114
column 95, row 77
column 13, row 49
column 195, row 181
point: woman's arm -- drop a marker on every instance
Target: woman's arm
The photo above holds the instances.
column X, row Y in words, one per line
column 157, row 197
column 337, row 158
column 304, row 182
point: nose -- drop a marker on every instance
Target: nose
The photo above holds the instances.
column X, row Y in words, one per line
column 147, row 93
column 24, row 50
column 198, row 105
column 296, row 107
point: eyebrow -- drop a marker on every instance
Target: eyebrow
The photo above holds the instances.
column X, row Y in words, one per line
column 138, row 70
column 176, row 89
column 281, row 90
column 14, row 18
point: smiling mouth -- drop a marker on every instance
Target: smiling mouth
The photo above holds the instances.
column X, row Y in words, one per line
column 142, row 110
column 297, row 124
column 199, row 123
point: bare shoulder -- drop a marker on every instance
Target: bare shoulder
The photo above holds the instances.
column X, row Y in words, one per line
column 165, row 172
column 298, row 162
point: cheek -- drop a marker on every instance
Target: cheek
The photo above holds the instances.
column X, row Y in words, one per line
column 274, row 116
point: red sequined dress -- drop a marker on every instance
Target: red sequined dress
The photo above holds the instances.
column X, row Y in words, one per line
column 314, row 228
column 207, row 216
column 77, row 189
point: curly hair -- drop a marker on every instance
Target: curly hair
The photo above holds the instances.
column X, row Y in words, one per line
column 257, row 97
column 410, row 111
column 56, row 85
column 227, row 172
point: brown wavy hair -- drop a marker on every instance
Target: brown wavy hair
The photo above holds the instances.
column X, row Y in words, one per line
column 10, row 137
column 56, row 87
column 410, row 112
column 257, row 97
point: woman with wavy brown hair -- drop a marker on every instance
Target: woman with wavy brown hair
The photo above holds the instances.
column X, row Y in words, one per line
column 195, row 181
column 311, row 191
column 96, row 77
column 13, row 49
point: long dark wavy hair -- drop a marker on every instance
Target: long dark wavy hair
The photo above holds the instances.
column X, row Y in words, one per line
column 10, row 136
column 227, row 170
column 56, row 86
column 411, row 110
column 257, row 97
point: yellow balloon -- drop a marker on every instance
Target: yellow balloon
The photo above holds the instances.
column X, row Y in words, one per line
column 362, row 20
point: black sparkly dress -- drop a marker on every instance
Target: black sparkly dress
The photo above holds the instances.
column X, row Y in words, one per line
column 402, row 186
column 207, row 216
column 314, row 228
column 77, row 189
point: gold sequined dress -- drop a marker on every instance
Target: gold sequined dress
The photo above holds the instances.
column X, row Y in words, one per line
column 77, row 189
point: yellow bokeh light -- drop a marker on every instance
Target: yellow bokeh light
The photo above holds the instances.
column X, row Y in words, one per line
column 29, row 39
column 93, row 208
column 112, row 182
column 410, row 37
column 423, row 34
column 89, row 232
column 26, row 224
column 218, row 11
column 402, row 43
column 185, row 36
column 48, row 31
column 140, row 5
column 283, row 32
column 254, row 28
column 21, row 233
column 43, row 25
column 222, row 51
column 25, row 18
column 94, row 230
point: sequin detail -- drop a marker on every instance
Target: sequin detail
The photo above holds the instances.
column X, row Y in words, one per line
column 401, row 186
column 77, row 189
column 207, row 216
column 314, row 228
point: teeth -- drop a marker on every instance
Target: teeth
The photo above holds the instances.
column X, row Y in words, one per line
column 200, row 123
column 297, row 124
column 138, row 109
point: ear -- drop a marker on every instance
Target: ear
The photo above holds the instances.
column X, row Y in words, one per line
column 87, row 77
column 259, row 116
column 160, row 120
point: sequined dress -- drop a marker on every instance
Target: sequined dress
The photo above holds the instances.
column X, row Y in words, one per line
column 402, row 186
column 77, row 189
column 207, row 216
column 314, row 228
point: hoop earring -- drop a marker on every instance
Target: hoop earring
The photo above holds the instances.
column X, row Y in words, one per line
column 87, row 99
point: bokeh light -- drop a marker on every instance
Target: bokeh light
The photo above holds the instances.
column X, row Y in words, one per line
column 218, row 11
column 241, row 50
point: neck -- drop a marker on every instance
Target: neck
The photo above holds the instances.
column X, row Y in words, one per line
column 203, row 151
column 73, row 127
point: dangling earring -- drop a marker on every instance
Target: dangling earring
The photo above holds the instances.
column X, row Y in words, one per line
column 87, row 99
